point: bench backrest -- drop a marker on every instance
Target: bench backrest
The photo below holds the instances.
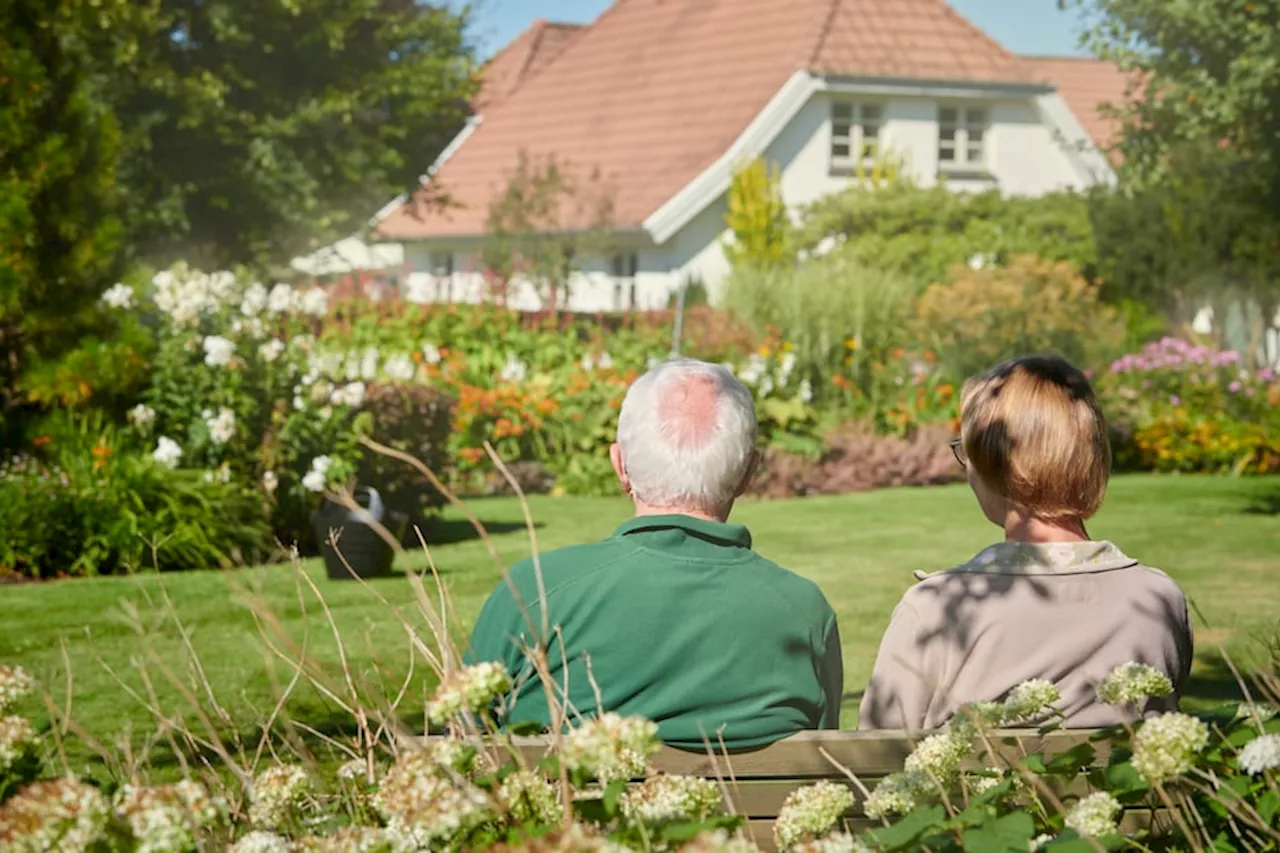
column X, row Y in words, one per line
column 759, row 781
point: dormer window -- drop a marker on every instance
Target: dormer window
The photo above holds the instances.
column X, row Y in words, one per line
column 855, row 134
column 962, row 139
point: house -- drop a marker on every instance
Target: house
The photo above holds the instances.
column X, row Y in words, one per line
column 663, row 98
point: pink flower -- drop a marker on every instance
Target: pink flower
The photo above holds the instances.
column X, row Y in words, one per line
column 1175, row 400
column 1234, row 387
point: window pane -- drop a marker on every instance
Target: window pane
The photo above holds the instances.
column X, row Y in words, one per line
column 840, row 131
column 840, row 149
column 974, row 152
column 947, row 115
column 976, row 118
column 871, row 112
column 871, row 131
column 947, row 134
column 842, row 112
column 975, row 134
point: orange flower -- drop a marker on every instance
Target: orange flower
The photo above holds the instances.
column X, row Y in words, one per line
column 101, row 453
column 42, row 440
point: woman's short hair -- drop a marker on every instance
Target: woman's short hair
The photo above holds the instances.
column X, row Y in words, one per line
column 1033, row 431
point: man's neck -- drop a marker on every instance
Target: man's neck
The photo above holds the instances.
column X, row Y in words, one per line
column 643, row 509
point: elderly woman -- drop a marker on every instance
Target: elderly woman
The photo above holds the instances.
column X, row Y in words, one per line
column 1047, row 602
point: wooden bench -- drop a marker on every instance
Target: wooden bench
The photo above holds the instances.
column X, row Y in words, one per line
column 759, row 781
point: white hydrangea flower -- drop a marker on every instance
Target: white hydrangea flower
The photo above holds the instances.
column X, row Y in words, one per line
column 369, row 364
column 270, row 482
column 1166, row 746
column 605, row 362
column 168, row 452
column 431, row 353
column 514, row 370
column 424, row 807
column 1039, row 842
column 254, row 300
column 142, row 415
column 470, row 688
column 710, row 841
column 666, row 798
column 352, row 395
column 399, row 368
column 806, row 391
column 1094, row 816
column 56, row 814
column 896, row 794
column 317, row 477
column 281, row 299
column 218, row 351
column 222, row 426
column 220, row 284
column 168, row 818
column 938, row 756
column 418, row 291
column 611, row 747
column 588, row 362
column 15, row 684
column 811, row 812
column 836, row 842
column 1260, row 755
column 184, row 296
column 785, row 367
column 255, row 327
column 754, row 370
column 1029, row 700
column 275, row 792
column 353, row 770
column 315, row 302
column 1257, row 711
column 1132, row 683
column 261, row 842
column 118, row 296
column 977, row 785
column 221, row 474
column 16, row 738
column 454, row 754
column 271, row 350
column 530, row 798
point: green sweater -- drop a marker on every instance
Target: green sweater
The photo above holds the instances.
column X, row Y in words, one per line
column 682, row 623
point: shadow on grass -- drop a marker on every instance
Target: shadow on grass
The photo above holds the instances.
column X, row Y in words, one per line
column 451, row 531
column 1211, row 682
column 1266, row 503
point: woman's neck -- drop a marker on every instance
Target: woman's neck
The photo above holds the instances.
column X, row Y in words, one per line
column 1022, row 527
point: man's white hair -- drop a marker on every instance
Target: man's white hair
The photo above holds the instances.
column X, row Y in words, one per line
column 687, row 431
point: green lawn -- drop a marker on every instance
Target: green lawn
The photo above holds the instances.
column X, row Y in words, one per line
column 1219, row 538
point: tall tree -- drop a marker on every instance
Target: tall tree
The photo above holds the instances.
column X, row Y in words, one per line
column 1198, row 216
column 59, row 232
column 257, row 129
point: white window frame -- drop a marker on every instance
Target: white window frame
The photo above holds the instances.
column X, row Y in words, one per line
column 958, row 124
column 625, row 266
column 857, row 134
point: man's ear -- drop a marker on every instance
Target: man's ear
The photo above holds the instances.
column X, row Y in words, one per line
column 619, row 467
column 752, row 469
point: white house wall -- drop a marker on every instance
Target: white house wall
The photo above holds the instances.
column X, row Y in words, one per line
column 591, row 289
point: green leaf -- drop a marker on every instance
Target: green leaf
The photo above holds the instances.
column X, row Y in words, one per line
column 1074, row 760
column 1009, row 834
column 613, row 795
column 910, row 828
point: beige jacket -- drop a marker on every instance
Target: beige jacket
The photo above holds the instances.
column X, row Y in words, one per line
column 1066, row 612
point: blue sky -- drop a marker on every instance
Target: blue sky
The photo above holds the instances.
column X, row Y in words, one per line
column 1023, row 26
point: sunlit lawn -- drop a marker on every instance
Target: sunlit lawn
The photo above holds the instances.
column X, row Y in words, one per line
column 1219, row 538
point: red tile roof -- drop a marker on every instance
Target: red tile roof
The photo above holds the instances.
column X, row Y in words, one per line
column 1087, row 84
column 654, row 91
column 530, row 52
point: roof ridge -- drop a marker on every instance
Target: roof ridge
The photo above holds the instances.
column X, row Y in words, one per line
column 951, row 11
column 823, row 31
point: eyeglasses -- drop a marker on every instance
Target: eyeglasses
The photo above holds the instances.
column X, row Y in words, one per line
column 957, row 448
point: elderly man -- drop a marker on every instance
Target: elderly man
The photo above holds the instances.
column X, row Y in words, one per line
column 674, row 617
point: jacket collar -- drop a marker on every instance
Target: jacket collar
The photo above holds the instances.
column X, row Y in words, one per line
column 1047, row 558
column 721, row 533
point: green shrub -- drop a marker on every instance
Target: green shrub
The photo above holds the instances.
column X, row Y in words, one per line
column 413, row 419
column 829, row 309
column 93, row 503
column 922, row 232
column 981, row 317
